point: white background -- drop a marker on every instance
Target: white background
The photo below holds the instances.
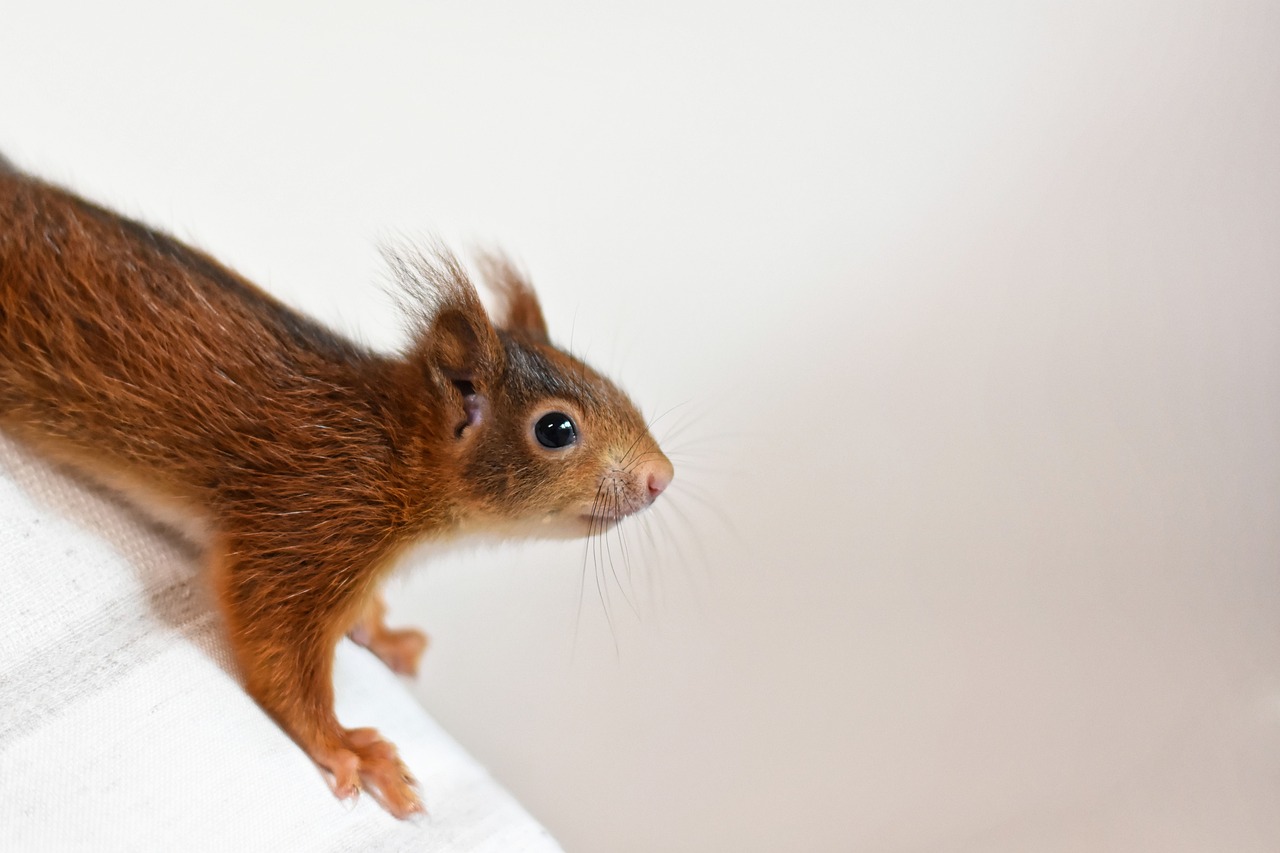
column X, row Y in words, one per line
column 970, row 314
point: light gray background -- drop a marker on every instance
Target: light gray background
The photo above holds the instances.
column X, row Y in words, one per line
column 971, row 316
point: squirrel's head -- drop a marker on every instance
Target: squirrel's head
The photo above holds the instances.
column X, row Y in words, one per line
column 541, row 440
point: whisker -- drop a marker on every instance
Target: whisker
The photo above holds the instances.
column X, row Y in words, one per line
column 613, row 511
column 684, row 463
column 648, row 529
column 602, row 582
column 626, row 561
column 592, row 526
column 715, row 443
column 688, row 421
column 603, row 591
column 682, row 561
column 648, row 427
column 702, row 496
column 683, row 517
column 646, row 523
column 641, row 458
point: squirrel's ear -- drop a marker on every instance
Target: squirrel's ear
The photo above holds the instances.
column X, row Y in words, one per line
column 518, row 308
column 462, row 345
column 452, row 334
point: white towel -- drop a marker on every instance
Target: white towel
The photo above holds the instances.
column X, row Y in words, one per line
column 124, row 727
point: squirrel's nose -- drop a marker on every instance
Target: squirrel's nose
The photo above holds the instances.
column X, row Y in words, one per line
column 657, row 473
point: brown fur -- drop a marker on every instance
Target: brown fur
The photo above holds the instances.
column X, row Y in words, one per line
column 312, row 461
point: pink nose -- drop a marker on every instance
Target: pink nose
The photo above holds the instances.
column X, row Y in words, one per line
column 657, row 473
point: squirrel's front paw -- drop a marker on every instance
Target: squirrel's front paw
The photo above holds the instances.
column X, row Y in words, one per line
column 384, row 774
column 367, row 762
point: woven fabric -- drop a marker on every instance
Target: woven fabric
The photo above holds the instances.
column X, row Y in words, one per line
column 124, row 727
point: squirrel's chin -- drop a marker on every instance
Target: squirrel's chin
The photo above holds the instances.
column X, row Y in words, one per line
column 567, row 525
column 555, row 525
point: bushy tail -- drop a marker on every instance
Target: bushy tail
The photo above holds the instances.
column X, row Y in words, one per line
column 7, row 166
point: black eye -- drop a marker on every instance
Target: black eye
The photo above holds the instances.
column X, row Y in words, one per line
column 555, row 429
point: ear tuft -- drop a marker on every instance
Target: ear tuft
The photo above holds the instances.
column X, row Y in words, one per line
column 451, row 331
column 519, row 311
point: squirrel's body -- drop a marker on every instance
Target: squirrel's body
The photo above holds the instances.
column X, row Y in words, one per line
column 129, row 351
column 309, row 460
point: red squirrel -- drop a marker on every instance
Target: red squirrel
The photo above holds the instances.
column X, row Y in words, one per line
column 309, row 462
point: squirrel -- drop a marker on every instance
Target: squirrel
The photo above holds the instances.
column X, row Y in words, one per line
column 306, row 462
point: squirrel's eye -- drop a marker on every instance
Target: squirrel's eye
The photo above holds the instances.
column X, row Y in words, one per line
column 555, row 430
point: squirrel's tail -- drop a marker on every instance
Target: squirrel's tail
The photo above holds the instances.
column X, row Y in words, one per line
column 6, row 165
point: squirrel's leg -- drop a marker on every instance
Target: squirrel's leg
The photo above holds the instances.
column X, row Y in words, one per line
column 399, row 648
column 285, row 614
